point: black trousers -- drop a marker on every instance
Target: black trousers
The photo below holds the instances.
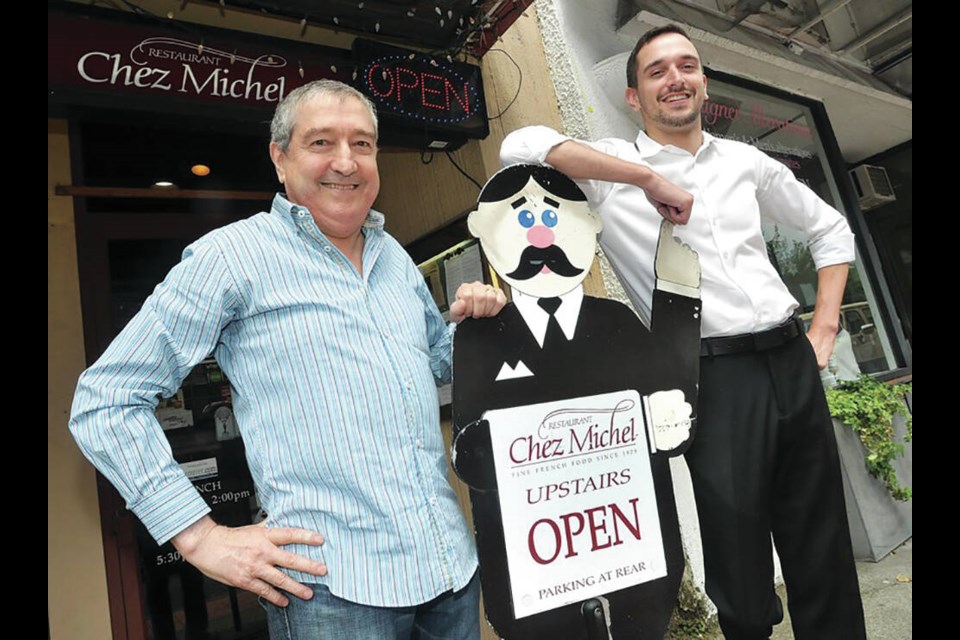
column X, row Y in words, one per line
column 764, row 461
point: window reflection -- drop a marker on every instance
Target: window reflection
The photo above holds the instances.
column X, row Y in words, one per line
column 786, row 132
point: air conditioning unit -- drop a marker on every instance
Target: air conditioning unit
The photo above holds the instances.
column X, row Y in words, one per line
column 872, row 185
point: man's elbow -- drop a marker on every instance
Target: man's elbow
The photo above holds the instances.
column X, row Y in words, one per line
column 515, row 147
column 512, row 148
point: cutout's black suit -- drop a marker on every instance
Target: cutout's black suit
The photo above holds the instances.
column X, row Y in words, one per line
column 611, row 350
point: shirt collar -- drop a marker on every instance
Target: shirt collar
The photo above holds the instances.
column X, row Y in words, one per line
column 537, row 319
column 649, row 147
column 298, row 215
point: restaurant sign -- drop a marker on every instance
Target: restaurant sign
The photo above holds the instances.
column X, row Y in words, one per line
column 95, row 54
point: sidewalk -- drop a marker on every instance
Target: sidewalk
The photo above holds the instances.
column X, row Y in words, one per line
column 887, row 591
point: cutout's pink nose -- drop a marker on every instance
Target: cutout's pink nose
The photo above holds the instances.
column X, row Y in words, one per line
column 540, row 236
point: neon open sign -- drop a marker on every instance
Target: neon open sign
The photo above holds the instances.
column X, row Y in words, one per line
column 421, row 92
column 421, row 88
column 405, row 87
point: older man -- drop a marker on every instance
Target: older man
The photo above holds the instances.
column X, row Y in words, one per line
column 333, row 346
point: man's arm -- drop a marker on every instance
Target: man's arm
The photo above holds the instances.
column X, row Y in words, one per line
column 472, row 300
column 786, row 200
column 831, row 281
column 115, row 427
column 580, row 161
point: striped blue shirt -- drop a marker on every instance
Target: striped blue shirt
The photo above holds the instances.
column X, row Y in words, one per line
column 333, row 378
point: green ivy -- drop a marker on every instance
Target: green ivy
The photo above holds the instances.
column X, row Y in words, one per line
column 868, row 406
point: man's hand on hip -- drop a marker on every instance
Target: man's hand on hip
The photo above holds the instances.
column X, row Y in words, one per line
column 248, row 557
column 823, row 341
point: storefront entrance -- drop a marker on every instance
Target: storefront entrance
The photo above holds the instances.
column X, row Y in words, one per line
column 129, row 234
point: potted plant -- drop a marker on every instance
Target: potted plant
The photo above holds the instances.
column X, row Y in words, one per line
column 873, row 423
column 868, row 406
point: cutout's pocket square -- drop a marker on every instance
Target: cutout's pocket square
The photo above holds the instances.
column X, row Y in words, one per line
column 508, row 373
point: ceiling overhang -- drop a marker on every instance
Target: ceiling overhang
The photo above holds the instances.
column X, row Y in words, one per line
column 448, row 28
column 865, row 41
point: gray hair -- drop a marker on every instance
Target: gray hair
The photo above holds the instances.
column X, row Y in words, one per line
column 284, row 118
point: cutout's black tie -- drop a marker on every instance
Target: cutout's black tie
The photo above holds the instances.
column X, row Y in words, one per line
column 554, row 336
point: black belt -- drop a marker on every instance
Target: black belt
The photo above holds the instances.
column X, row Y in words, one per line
column 768, row 339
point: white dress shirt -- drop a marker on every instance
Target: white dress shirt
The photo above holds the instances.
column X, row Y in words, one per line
column 735, row 186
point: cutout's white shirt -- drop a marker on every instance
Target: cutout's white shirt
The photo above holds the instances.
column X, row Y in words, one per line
column 537, row 319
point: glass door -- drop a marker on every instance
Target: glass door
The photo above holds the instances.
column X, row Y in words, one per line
column 128, row 238
column 177, row 601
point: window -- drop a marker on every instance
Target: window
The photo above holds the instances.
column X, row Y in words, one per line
column 786, row 130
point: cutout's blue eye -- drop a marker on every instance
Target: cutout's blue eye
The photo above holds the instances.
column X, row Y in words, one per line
column 549, row 217
column 526, row 218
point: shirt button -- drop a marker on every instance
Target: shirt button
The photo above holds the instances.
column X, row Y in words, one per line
column 326, row 248
column 725, row 255
column 433, row 501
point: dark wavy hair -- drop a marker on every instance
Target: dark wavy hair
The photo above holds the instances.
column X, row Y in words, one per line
column 642, row 42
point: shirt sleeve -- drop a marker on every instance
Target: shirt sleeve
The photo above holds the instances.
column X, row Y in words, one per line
column 786, row 200
column 112, row 418
column 531, row 145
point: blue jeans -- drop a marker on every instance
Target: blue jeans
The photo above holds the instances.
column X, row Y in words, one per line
column 450, row 616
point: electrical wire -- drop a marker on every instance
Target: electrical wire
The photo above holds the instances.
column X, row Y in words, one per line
column 460, row 169
column 469, row 36
column 180, row 25
column 519, row 84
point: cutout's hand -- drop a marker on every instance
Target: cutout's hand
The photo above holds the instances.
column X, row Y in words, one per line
column 670, row 419
column 676, row 263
